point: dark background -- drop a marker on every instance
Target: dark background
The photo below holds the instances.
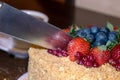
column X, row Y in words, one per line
column 63, row 13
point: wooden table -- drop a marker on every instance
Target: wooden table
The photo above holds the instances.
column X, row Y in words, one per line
column 60, row 15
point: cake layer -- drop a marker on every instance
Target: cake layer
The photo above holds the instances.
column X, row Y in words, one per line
column 44, row 66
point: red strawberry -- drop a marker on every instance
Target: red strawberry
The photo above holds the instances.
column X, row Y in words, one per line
column 77, row 44
column 115, row 28
column 66, row 30
column 89, row 26
column 101, row 54
column 115, row 52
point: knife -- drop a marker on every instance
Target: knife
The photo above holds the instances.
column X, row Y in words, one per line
column 21, row 30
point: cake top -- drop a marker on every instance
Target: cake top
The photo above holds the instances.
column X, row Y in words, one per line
column 92, row 46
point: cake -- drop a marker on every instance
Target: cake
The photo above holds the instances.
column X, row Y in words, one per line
column 46, row 65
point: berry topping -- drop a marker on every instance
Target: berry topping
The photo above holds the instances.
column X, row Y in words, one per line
column 115, row 28
column 94, row 29
column 67, row 30
column 96, row 65
column 101, row 36
column 90, row 37
column 86, row 30
column 112, row 62
column 101, row 54
column 90, row 46
column 99, row 43
column 79, row 55
column 87, row 60
column 77, row 44
column 58, row 52
column 115, row 52
column 81, row 33
column 112, row 36
column 105, row 30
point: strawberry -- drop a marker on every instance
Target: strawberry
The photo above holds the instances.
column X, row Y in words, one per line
column 77, row 44
column 101, row 54
column 89, row 26
column 115, row 52
column 67, row 30
column 115, row 28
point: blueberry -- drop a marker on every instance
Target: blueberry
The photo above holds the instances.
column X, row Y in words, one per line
column 112, row 36
column 101, row 36
column 99, row 43
column 90, row 37
column 115, row 32
column 94, row 29
column 104, row 29
column 81, row 33
column 87, row 30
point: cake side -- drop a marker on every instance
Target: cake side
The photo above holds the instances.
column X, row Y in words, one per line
column 44, row 66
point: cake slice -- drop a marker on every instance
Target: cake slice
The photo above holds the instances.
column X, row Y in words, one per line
column 93, row 53
column 44, row 66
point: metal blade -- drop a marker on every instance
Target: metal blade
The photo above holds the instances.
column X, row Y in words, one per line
column 26, row 28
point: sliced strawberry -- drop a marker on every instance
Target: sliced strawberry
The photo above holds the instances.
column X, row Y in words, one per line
column 77, row 44
column 101, row 54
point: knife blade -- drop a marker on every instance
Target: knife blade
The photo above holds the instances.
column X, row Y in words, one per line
column 27, row 29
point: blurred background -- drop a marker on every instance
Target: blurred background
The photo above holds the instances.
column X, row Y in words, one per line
column 109, row 7
column 52, row 8
column 65, row 12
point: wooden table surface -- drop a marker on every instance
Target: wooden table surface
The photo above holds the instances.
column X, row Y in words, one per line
column 60, row 15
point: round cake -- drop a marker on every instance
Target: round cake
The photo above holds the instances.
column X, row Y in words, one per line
column 95, row 57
